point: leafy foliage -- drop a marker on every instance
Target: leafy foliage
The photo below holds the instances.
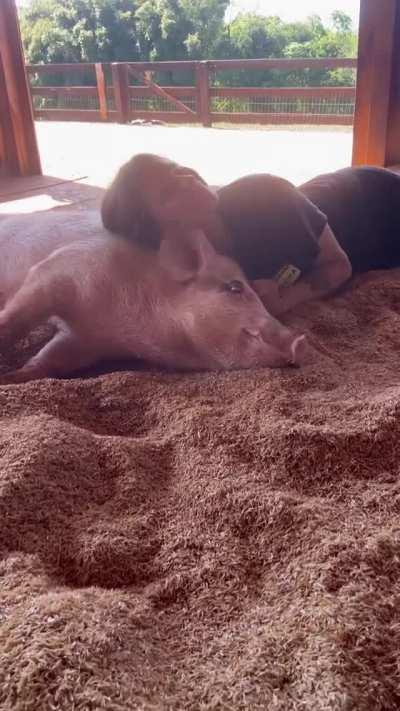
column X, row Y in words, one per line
column 112, row 30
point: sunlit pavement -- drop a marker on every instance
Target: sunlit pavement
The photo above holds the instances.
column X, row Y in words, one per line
column 219, row 154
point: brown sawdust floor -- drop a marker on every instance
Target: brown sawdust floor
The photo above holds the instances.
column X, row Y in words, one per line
column 209, row 541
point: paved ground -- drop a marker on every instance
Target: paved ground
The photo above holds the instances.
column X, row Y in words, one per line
column 219, row 154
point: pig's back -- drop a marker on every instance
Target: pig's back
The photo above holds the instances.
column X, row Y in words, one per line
column 27, row 239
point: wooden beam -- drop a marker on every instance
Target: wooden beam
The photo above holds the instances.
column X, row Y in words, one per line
column 375, row 81
column 8, row 150
column 75, row 115
column 16, row 115
column 102, row 91
column 72, row 91
column 120, row 81
column 392, row 155
column 65, row 68
column 203, row 93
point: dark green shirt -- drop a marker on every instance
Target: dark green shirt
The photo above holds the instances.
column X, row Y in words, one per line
column 272, row 225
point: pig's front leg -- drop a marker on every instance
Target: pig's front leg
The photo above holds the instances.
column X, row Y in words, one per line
column 65, row 354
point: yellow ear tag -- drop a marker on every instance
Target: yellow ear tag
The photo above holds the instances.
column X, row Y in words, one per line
column 288, row 275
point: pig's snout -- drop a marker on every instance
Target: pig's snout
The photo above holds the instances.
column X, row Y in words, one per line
column 286, row 348
column 291, row 354
column 298, row 350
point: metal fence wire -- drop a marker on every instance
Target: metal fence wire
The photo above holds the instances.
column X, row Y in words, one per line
column 157, row 103
column 336, row 106
column 69, row 101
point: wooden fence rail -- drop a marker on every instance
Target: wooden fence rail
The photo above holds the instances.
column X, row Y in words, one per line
column 112, row 95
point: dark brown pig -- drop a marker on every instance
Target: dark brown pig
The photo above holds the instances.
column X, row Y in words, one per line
column 184, row 307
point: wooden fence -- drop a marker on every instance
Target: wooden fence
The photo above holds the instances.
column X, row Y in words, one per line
column 125, row 91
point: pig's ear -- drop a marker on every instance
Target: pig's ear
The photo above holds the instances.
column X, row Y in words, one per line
column 184, row 256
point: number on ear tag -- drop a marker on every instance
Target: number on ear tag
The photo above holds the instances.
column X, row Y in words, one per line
column 288, row 275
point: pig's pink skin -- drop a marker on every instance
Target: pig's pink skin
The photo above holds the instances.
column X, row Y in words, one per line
column 111, row 299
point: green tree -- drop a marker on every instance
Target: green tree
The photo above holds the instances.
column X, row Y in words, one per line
column 253, row 36
column 180, row 29
column 112, row 30
column 325, row 42
column 79, row 30
column 342, row 22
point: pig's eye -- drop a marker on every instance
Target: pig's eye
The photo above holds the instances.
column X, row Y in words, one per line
column 234, row 287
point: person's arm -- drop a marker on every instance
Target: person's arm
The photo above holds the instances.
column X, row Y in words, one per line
column 331, row 270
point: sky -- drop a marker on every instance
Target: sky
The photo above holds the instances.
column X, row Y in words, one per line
column 297, row 9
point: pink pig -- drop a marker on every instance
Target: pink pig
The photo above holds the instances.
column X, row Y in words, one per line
column 184, row 307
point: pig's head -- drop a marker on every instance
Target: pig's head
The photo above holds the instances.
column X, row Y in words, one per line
column 214, row 319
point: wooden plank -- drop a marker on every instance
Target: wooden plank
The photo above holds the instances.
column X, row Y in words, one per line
column 203, row 93
column 365, row 73
column 374, row 80
column 121, row 96
column 159, row 91
column 175, row 65
column 15, row 98
column 217, row 64
column 54, row 91
column 30, row 197
column 73, row 115
column 102, row 91
column 392, row 154
column 60, row 68
column 12, row 188
column 8, row 150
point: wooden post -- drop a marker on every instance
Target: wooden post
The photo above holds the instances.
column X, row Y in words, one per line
column 101, row 91
column 392, row 156
column 121, row 90
column 375, row 90
column 203, row 93
column 19, row 152
column 9, row 164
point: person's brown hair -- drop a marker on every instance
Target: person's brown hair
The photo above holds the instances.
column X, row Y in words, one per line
column 124, row 210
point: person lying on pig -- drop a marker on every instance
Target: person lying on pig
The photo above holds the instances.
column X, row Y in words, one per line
column 293, row 244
